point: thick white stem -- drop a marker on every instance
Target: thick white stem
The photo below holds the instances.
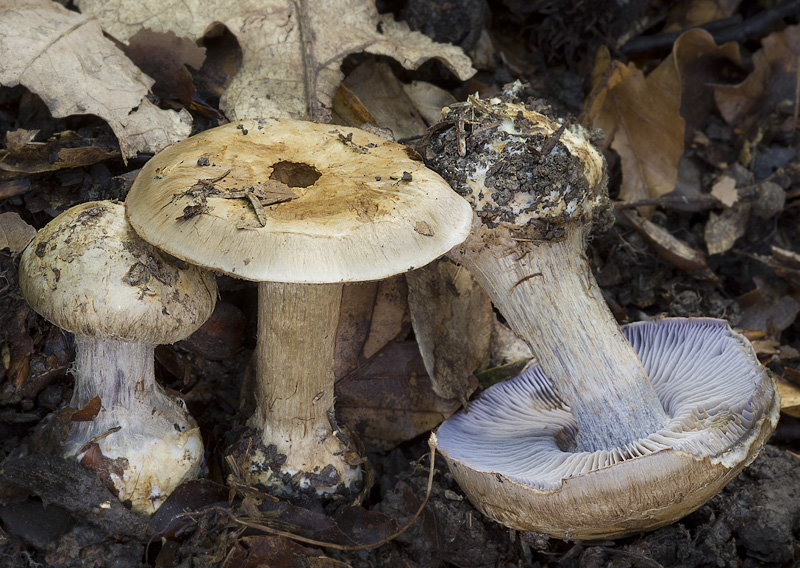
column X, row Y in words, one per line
column 148, row 442
column 122, row 374
column 295, row 376
column 548, row 295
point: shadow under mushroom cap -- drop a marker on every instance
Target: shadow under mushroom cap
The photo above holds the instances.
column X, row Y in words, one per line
column 511, row 450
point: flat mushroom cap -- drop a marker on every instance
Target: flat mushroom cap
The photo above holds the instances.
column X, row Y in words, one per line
column 510, row 453
column 89, row 273
column 351, row 206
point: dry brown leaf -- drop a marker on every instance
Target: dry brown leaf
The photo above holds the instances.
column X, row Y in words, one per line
column 14, row 187
column 648, row 120
column 698, row 12
column 63, row 57
column 790, row 397
column 700, row 62
column 641, row 118
column 773, row 79
column 257, row 551
column 164, row 57
column 672, row 249
column 63, row 150
column 15, row 234
column 382, row 389
column 724, row 189
column 355, row 315
column 382, row 94
column 452, row 318
column 348, row 110
column 792, row 375
column 16, row 139
column 606, row 75
column 389, row 314
column 391, row 399
column 768, row 307
column 429, row 99
column 291, row 50
column 722, row 229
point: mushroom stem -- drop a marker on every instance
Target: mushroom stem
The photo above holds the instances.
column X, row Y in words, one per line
column 157, row 437
column 549, row 296
column 120, row 373
column 295, row 378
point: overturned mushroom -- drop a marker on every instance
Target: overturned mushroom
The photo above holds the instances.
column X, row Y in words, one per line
column 87, row 272
column 537, row 187
column 352, row 207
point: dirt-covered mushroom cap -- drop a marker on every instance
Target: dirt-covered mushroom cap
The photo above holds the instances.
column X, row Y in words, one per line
column 89, row 273
column 511, row 453
column 520, row 167
column 293, row 201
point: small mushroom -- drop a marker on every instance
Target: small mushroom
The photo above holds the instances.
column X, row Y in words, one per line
column 354, row 207
column 88, row 273
column 537, row 187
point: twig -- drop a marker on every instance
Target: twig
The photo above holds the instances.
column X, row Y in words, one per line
column 699, row 202
column 97, row 438
column 739, row 31
column 323, row 544
column 553, row 140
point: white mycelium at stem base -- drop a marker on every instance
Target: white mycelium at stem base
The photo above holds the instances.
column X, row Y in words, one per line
column 152, row 442
column 536, row 202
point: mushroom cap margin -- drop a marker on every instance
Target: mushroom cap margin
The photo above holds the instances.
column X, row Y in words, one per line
column 635, row 493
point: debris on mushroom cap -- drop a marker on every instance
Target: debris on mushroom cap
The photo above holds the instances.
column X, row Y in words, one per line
column 517, row 166
column 89, row 273
column 511, row 453
column 364, row 208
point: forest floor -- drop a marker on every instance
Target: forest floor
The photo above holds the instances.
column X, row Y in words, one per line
column 698, row 104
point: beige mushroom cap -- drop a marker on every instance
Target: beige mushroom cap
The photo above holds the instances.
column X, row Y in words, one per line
column 366, row 208
column 89, row 273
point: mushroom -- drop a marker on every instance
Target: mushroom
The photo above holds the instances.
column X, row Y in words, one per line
column 88, row 273
column 300, row 208
column 537, row 187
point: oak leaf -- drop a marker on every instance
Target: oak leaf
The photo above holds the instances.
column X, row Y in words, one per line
column 63, row 57
column 641, row 119
column 772, row 80
column 648, row 120
column 15, row 234
column 291, row 49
